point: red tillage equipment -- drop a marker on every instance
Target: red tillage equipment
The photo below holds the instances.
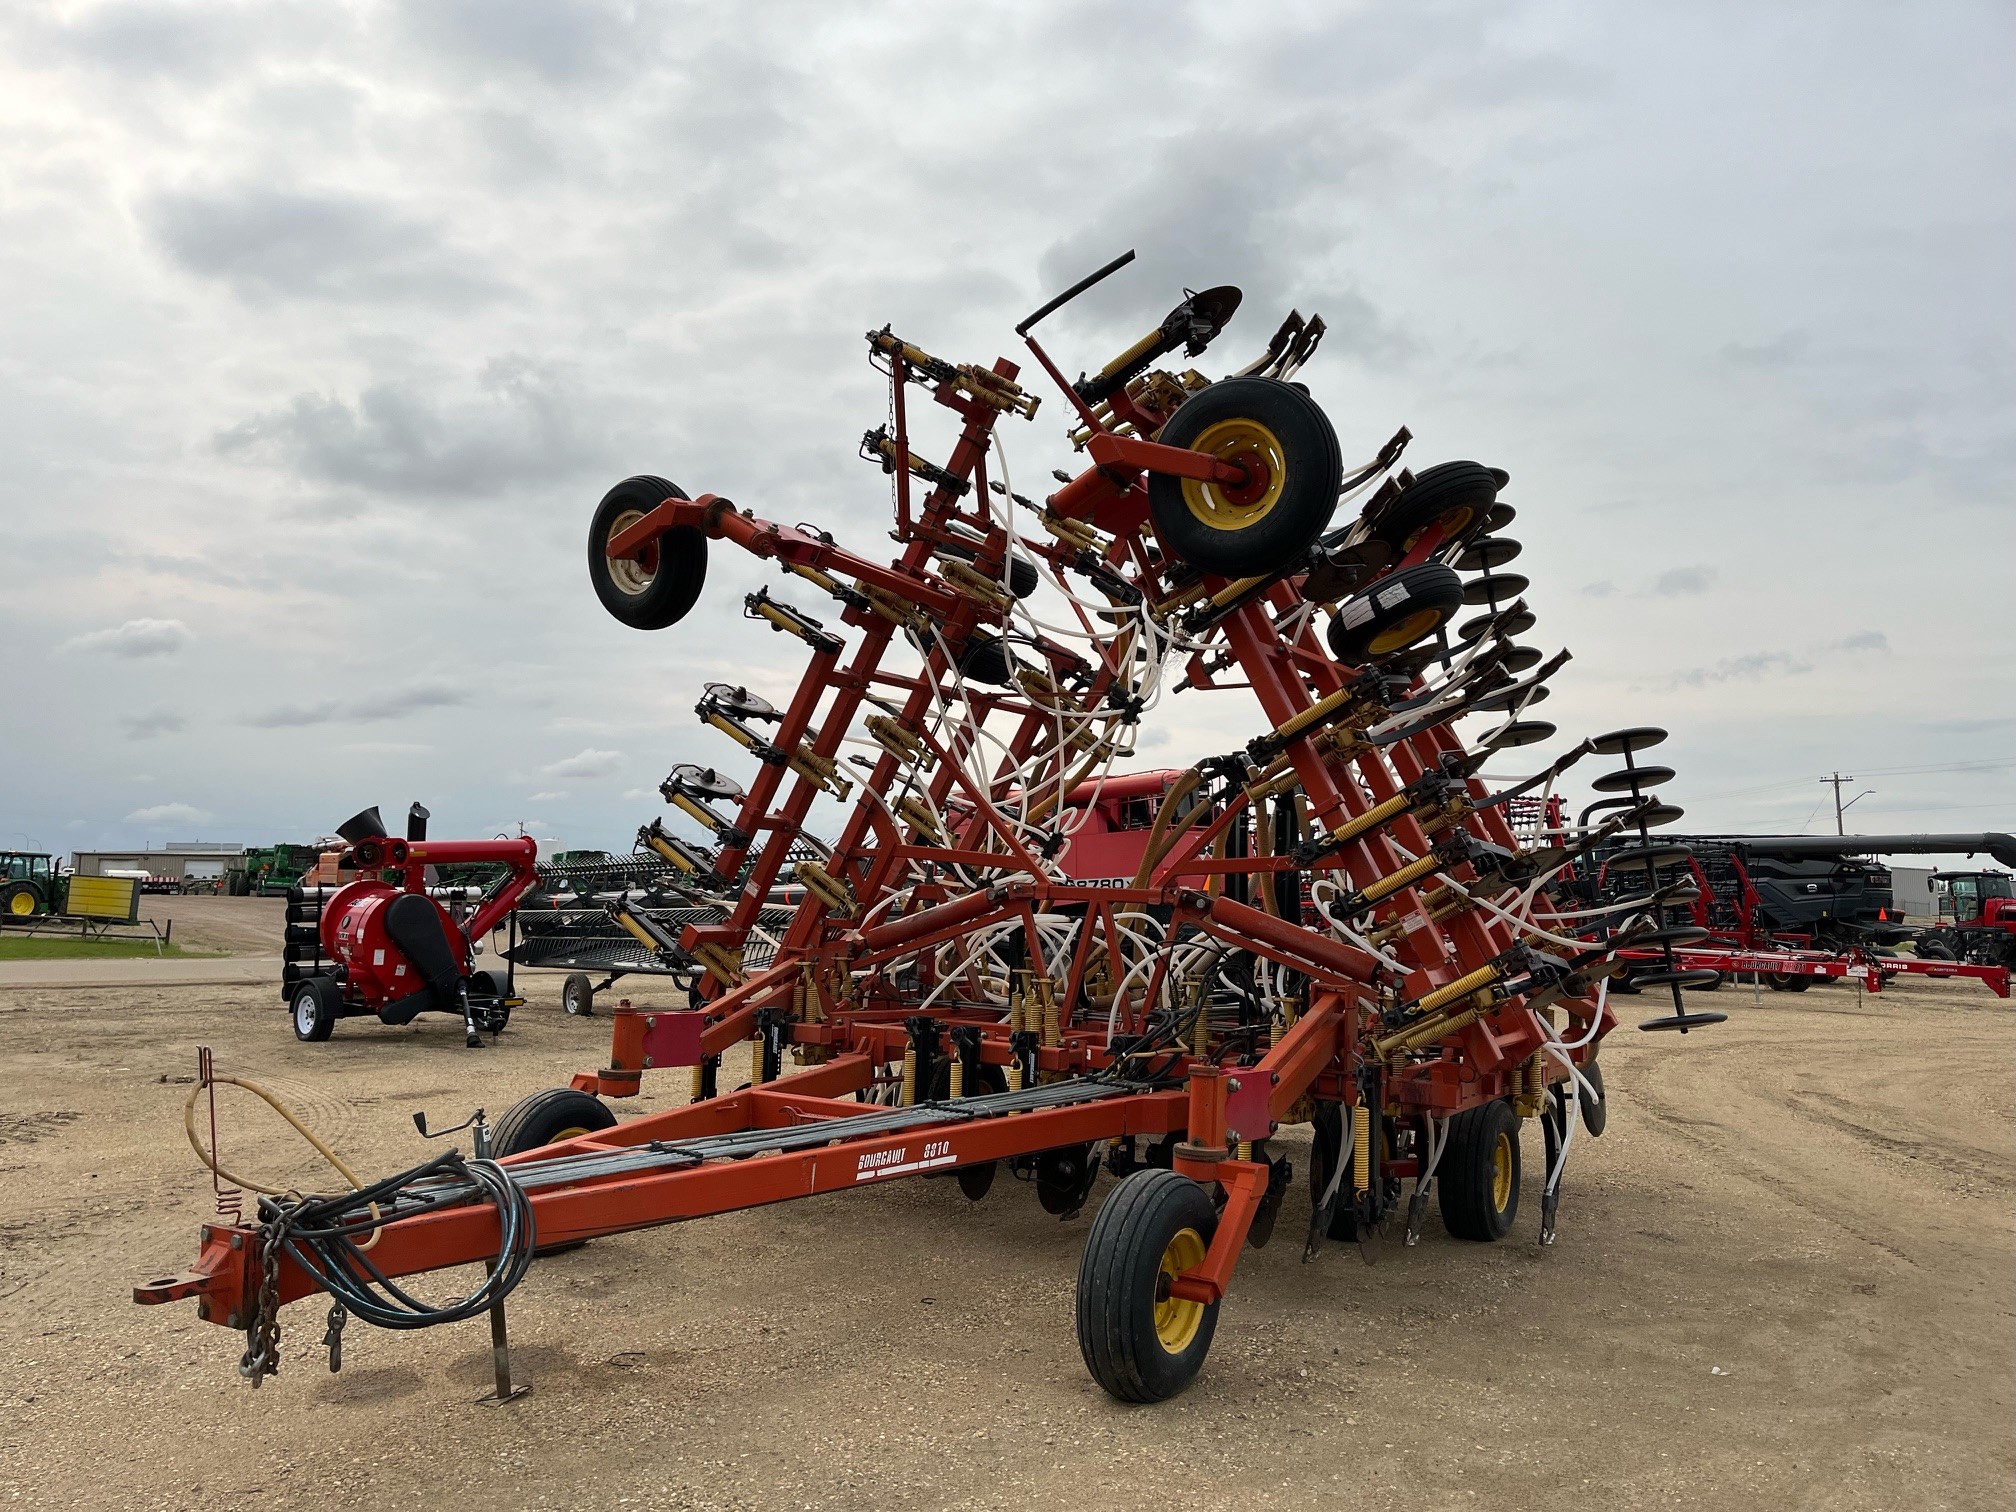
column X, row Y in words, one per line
column 1329, row 923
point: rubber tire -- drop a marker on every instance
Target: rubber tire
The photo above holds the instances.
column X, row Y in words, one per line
column 1425, row 588
column 577, row 995
column 1465, row 1180
column 1434, row 492
column 1935, row 947
column 321, row 1018
column 20, row 890
column 682, row 559
column 537, row 1120
column 1785, row 981
column 1312, row 460
column 1117, row 1278
column 986, row 660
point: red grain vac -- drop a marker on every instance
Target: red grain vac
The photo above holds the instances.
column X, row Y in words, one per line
column 392, row 944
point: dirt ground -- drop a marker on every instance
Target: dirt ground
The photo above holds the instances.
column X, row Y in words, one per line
column 239, row 926
column 1784, row 1278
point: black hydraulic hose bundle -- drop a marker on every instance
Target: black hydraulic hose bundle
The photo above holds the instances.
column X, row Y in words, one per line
column 322, row 1235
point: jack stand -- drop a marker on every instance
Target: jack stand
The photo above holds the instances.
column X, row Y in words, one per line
column 500, row 1338
column 500, row 1360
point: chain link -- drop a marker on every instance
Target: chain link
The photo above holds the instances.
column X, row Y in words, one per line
column 262, row 1333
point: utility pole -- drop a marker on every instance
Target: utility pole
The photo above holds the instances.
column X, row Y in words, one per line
column 1838, row 782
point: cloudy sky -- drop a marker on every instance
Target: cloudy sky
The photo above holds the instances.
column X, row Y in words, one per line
column 328, row 323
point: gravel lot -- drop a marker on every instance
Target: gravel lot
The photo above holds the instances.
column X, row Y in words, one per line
column 1785, row 1277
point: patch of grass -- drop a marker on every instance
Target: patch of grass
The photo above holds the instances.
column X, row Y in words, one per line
column 45, row 949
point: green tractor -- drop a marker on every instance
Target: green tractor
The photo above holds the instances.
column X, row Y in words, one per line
column 30, row 884
column 269, row 871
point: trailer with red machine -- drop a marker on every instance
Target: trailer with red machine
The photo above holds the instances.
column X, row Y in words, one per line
column 383, row 945
column 1016, row 957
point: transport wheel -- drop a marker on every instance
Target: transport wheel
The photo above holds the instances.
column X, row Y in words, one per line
column 1479, row 1181
column 315, row 1003
column 1457, row 495
column 1394, row 613
column 659, row 588
column 545, row 1118
column 1285, row 442
column 577, row 995
column 19, row 901
column 1787, row 981
column 1935, row 947
column 1140, row 1343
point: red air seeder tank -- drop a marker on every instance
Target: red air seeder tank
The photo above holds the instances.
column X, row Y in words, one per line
column 1331, row 922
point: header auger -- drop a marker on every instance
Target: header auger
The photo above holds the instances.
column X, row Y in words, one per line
column 1012, row 954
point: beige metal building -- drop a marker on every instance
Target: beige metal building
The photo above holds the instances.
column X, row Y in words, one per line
column 182, row 861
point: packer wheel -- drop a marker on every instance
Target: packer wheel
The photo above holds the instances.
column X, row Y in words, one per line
column 1285, row 442
column 1140, row 1343
column 1479, row 1179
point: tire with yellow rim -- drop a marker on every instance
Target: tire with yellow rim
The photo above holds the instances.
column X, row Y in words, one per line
column 661, row 585
column 1456, row 496
column 20, row 901
column 1479, row 1179
column 1141, row 1342
column 1293, row 469
column 1399, row 610
column 549, row 1117
column 546, row 1118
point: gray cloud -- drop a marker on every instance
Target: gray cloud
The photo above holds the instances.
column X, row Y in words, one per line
column 135, row 639
column 523, row 424
column 375, row 710
column 1779, row 352
column 266, row 247
column 560, row 41
column 1681, row 582
column 1755, row 665
column 267, row 243
column 148, row 725
column 586, row 765
column 160, row 815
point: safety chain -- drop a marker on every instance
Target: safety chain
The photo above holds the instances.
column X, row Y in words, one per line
column 262, row 1333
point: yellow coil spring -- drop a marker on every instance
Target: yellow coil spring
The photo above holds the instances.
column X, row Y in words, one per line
column 910, row 1077
column 1361, row 1148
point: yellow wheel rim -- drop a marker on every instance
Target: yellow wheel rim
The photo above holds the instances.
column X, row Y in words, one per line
column 21, row 905
column 1453, row 522
column 1176, row 1318
column 1501, row 1173
column 631, row 576
column 1247, row 442
column 1398, row 637
column 566, row 1134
